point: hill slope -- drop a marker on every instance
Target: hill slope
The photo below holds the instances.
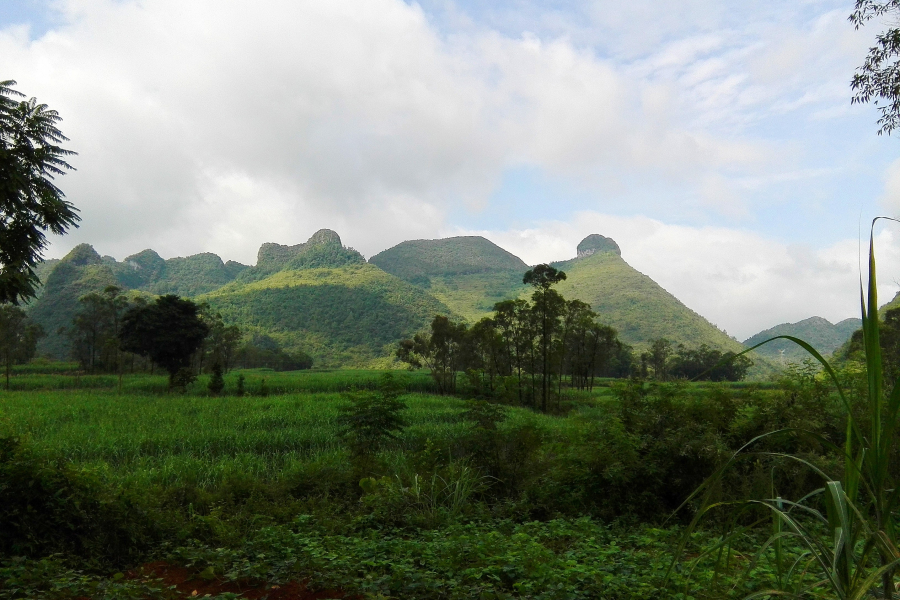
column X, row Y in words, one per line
column 469, row 274
column 818, row 332
column 638, row 307
column 188, row 276
column 80, row 272
column 325, row 299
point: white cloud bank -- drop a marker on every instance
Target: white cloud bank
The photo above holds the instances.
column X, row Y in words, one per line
column 221, row 124
column 217, row 125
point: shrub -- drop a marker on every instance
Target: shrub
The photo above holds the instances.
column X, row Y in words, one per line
column 216, row 381
column 371, row 418
column 48, row 508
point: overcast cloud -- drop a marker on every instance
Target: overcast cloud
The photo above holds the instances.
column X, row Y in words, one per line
column 714, row 141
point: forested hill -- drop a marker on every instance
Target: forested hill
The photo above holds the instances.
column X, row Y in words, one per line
column 820, row 333
column 187, row 276
column 83, row 271
column 469, row 274
column 80, row 272
column 638, row 307
column 417, row 260
column 324, row 299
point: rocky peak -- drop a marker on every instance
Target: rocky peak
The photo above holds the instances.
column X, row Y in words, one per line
column 276, row 256
column 324, row 237
column 595, row 243
column 83, row 254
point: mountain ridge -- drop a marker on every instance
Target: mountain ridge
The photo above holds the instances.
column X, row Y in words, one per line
column 821, row 334
column 322, row 294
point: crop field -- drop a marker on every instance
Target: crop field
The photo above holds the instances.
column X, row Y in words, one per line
column 243, row 492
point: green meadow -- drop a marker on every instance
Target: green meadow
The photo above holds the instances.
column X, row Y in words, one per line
column 261, row 489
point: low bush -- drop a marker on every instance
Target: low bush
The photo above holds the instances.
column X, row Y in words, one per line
column 49, row 507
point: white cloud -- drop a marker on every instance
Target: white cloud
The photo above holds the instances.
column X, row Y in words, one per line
column 355, row 113
column 217, row 125
column 742, row 281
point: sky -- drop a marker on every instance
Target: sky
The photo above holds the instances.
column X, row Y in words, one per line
column 714, row 140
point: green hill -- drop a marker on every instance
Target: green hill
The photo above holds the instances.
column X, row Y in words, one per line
column 80, row 272
column 468, row 274
column 188, row 276
column 818, row 332
column 638, row 307
column 83, row 271
column 324, row 299
column 319, row 297
column 417, row 260
column 43, row 270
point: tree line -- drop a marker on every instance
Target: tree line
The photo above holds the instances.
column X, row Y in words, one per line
column 665, row 361
column 116, row 332
column 527, row 351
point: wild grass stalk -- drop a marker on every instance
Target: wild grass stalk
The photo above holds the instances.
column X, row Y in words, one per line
column 842, row 537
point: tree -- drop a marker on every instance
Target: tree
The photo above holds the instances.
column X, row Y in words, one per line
column 878, row 79
column 30, row 202
column 371, row 418
column 216, row 381
column 657, row 358
column 167, row 331
column 18, row 337
column 221, row 344
column 548, row 307
column 709, row 364
column 513, row 320
column 95, row 329
column 441, row 352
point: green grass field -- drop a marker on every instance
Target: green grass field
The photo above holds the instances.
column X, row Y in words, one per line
column 263, row 489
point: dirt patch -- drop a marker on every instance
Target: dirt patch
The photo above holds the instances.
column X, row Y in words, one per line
column 189, row 585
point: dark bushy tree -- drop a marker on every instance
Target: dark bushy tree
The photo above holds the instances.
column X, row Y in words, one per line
column 167, row 331
column 216, row 381
column 30, row 202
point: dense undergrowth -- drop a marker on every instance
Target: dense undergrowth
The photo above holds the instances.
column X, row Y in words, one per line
column 470, row 499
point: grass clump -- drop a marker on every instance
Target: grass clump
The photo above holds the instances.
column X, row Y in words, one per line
column 840, row 540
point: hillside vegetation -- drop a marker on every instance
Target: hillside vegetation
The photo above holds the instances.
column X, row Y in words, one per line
column 324, row 299
column 420, row 260
column 468, row 274
column 188, row 276
column 80, row 272
column 818, row 332
column 83, row 271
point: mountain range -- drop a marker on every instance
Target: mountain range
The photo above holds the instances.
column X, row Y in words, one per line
column 324, row 298
column 821, row 334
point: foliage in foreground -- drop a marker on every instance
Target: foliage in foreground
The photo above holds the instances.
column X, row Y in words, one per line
column 847, row 527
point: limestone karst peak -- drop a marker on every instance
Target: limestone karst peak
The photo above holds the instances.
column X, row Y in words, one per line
column 324, row 237
column 595, row 243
